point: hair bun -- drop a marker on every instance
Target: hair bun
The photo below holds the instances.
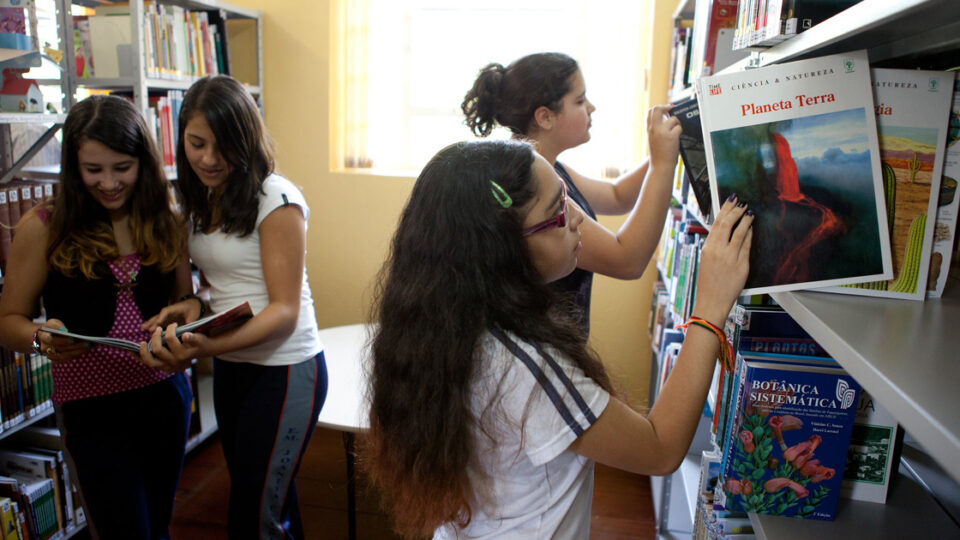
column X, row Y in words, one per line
column 480, row 104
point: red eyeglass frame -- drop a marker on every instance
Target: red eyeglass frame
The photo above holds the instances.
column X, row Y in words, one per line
column 555, row 222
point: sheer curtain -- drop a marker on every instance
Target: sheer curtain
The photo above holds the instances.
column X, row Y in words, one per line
column 402, row 67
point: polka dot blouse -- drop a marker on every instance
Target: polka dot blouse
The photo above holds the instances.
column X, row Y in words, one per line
column 108, row 370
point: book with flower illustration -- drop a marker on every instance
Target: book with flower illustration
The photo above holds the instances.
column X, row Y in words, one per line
column 211, row 325
column 912, row 108
column 798, row 142
column 786, row 448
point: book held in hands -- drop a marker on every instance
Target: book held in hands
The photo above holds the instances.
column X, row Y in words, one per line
column 211, row 326
column 798, row 143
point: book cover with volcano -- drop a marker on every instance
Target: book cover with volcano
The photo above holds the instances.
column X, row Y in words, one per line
column 798, row 143
column 912, row 108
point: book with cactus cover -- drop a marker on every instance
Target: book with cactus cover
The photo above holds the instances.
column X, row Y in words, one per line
column 912, row 108
column 798, row 143
column 948, row 207
column 787, row 446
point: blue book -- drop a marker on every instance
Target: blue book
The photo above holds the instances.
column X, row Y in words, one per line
column 770, row 329
column 786, row 444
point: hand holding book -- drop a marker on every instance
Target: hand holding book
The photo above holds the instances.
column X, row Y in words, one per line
column 68, row 345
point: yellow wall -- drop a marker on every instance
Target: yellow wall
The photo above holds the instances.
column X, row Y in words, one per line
column 354, row 215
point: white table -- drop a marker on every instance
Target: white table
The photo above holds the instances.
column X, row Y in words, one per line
column 345, row 409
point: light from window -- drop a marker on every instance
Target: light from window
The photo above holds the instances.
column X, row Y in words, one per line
column 405, row 65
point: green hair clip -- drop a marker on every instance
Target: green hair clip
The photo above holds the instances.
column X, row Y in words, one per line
column 501, row 195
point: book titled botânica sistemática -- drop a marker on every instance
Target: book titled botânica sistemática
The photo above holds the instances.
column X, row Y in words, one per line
column 786, row 448
column 211, row 325
column 798, row 143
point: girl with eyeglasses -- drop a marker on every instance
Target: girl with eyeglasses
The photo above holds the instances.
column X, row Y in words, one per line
column 487, row 408
column 541, row 98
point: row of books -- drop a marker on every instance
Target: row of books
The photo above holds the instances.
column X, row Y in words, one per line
column 26, row 386
column 163, row 119
column 781, row 374
column 38, row 499
column 16, row 199
column 849, row 166
column 764, row 23
column 178, row 43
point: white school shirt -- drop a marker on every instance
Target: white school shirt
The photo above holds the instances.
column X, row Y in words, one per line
column 539, row 489
column 233, row 267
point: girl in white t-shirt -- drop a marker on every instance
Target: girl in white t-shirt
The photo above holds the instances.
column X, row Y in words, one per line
column 248, row 229
column 487, row 409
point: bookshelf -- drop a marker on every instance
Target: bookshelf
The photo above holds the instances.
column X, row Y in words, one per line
column 903, row 352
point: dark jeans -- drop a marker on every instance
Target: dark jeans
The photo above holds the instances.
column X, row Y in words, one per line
column 126, row 452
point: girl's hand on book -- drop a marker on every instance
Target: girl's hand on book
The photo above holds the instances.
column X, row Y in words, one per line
column 663, row 134
column 724, row 262
column 59, row 349
column 172, row 354
column 183, row 312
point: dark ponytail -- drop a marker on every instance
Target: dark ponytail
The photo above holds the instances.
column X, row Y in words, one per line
column 480, row 104
column 510, row 96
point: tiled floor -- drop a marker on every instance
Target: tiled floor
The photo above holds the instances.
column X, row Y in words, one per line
column 622, row 506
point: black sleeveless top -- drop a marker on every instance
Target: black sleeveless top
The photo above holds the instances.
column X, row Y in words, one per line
column 579, row 283
column 87, row 306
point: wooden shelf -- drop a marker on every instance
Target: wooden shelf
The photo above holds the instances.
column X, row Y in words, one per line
column 903, row 352
column 32, row 118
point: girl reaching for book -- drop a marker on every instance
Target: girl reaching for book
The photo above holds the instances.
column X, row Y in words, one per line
column 247, row 235
column 109, row 250
column 542, row 98
column 487, row 409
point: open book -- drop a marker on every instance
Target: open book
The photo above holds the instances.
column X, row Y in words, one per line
column 213, row 325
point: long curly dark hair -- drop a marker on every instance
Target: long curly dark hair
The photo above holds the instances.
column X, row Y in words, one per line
column 510, row 95
column 458, row 266
column 81, row 234
column 244, row 143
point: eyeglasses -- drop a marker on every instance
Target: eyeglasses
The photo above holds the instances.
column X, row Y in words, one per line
column 557, row 221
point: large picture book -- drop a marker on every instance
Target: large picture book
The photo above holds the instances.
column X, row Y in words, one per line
column 212, row 325
column 692, row 153
column 912, row 108
column 786, row 449
column 798, row 143
column 948, row 206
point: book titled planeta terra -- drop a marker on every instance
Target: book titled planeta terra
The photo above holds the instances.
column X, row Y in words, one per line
column 211, row 326
column 798, row 143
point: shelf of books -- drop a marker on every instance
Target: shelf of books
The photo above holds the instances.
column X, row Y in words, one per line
column 887, row 28
column 903, row 351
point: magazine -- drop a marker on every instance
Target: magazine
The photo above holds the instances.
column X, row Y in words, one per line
column 211, row 326
column 798, row 143
column 691, row 152
column 912, row 108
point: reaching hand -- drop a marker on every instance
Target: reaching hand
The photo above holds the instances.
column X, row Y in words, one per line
column 663, row 136
column 724, row 262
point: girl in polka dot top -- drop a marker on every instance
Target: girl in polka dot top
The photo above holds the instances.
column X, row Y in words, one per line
column 106, row 254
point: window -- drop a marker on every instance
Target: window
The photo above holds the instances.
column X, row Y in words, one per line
column 403, row 67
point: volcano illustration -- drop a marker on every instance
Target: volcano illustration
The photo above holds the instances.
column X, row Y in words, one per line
column 796, row 264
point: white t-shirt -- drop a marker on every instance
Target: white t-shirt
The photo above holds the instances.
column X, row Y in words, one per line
column 539, row 489
column 233, row 267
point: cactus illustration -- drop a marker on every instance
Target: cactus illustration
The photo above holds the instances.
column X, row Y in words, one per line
column 907, row 280
column 889, row 193
column 914, row 165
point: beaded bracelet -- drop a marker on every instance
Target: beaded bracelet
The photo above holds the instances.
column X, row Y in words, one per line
column 203, row 305
column 726, row 350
